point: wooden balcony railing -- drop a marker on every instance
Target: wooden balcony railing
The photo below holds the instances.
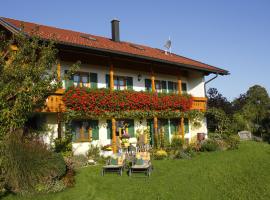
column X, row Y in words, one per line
column 54, row 103
column 199, row 103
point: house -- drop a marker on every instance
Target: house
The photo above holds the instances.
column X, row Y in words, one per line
column 121, row 66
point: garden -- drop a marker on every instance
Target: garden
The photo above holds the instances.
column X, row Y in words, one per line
column 237, row 174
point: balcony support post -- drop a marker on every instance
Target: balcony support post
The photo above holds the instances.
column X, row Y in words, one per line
column 114, row 147
column 58, row 71
column 155, row 118
column 182, row 127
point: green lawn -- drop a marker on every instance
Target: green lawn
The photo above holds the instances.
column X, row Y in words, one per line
column 238, row 174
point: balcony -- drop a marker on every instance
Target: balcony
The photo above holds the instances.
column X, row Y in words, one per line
column 54, row 103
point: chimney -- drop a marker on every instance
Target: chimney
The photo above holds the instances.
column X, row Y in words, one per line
column 115, row 30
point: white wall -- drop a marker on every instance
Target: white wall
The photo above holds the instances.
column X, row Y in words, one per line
column 194, row 81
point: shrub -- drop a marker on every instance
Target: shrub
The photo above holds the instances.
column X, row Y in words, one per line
column 176, row 142
column 79, row 161
column 68, row 178
column 209, row 145
column 160, row 155
column 94, row 152
column 232, row 141
column 64, row 145
column 28, row 163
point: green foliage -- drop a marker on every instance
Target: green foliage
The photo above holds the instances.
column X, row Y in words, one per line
column 160, row 155
column 28, row 163
column 232, row 142
column 63, row 145
column 78, row 161
column 27, row 77
column 176, row 142
column 221, row 122
column 254, row 110
column 210, row 145
column 94, row 153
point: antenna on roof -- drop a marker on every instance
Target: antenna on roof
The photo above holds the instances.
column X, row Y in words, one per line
column 168, row 46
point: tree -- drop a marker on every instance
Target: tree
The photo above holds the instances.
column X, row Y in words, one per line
column 219, row 112
column 252, row 110
column 27, row 77
column 217, row 100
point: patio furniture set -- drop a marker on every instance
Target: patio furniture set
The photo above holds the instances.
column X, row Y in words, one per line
column 138, row 163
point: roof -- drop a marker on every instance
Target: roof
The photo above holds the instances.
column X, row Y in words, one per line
column 99, row 43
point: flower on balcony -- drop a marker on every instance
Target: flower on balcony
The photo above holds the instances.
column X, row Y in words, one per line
column 97, row 103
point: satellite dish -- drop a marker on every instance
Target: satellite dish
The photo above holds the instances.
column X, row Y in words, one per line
column 168, row 46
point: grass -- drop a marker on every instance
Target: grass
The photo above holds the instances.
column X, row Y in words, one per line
column 237, row 174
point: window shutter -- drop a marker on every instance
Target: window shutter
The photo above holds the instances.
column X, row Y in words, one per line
column 164, row 86
column 150, row 124
column 129, row 83
column 184, row 87
column 95, row 129
column 93, row 80
column 107, row 81
column 68, row 82
column 186, row 124
column 109, row 129
column 148, row 85
column 170, row 86
column 130, row 127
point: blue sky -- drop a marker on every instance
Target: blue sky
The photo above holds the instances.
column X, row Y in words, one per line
column 231, row 34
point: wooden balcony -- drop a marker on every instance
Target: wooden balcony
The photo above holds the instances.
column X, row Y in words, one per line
column 199, row 103
column 55, row 103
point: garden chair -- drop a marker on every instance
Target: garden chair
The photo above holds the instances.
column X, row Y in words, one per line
column 116, row 163
column 141, row 164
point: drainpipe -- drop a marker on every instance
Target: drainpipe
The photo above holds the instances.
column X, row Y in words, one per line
column 208, row 82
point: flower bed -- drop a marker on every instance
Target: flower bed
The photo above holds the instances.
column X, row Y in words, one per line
column 104, row 103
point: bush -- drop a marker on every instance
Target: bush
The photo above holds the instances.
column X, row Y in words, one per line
column 64, row 145
column 232, row 142
column 209, row 145
column 160, row 155
column 176, row 143
column 28, row 163
column 79, row 161
column 94, row 152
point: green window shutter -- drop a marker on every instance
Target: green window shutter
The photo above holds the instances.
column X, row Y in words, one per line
column 184, row 87
column 93, row 80
column 131, row 127
column 109, row 129
column 150, row 124
column 186, row 124
column 95, row 129
column 148, row 85
column 164, row 86
column 107, row 81
column 68, row 82
column 129, row 83
column 170, row 86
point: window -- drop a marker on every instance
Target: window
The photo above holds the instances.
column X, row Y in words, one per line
column 160, row 86
column 175, row 125
column 85, row 131
column 184, row 87
column 120, row 82
column 148, row 85
column 82, row 79
column 123, row 126
column 173, row 87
